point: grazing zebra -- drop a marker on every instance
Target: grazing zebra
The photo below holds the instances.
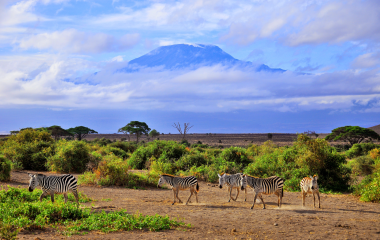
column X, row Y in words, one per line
column 232, row 181
column 271, row 185
column 54, row 184
column 310, row 185
column 180, row 183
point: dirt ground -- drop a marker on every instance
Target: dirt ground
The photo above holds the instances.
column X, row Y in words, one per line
column 340, row 216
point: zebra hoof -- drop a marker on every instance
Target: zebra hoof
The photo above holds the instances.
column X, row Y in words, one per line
column 251, row 207
column 172, row 203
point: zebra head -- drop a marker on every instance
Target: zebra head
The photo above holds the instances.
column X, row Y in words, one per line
column 161, row 181
column 33, row 182
column 243, row 181
column 314, row 183
column 222, row 180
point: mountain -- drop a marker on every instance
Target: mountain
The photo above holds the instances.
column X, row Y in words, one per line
column 180, row 56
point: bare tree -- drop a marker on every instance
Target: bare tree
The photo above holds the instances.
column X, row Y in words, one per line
column 186, row 128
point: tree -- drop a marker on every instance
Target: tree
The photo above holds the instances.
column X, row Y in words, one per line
column 135, row 127
column 154, row 133
column 186, row 128
column 57, row 132
column 80, row 132
column 352, row 134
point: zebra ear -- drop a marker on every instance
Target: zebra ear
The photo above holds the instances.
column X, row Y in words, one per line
column 310, row 177
column 316, row 177
column 30, row 175
column 219, row 175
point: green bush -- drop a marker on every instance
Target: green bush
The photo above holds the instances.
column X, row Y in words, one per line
column 360, row 149
column 126, row 146
column 70, row 156
column 368, row 189
column 362, row 165
column 112, row 170
column 306, row 157
column 29, row 149
column 5, row 169
column 163, row 150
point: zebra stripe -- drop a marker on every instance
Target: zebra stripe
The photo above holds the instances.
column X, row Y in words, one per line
column 232, row 181
column 271, row 185
column 180, row 183
column 54, row 184
column 310, row 185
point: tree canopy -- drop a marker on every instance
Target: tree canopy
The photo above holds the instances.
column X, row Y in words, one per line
column 80, row 132
column 154, row 133
column 57, row 132
column 135, row 127
column 352, row 134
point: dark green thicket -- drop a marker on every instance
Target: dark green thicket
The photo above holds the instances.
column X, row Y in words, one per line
column 360, row 149
column 29, row 149
column 306, row 157
column 70, row 156
column 5, row 169
column 126, row 146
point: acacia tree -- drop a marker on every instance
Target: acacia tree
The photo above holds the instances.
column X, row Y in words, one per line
column 352, row 134
column 80, row 132
column 154, row 133
column 186, row 128
column 135, row 127
column 57, row 132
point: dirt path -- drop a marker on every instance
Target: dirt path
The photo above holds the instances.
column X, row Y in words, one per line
column 341, row 216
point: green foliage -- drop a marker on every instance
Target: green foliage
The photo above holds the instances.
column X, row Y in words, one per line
column 22, row 210
column 135, row 127
column 185, row 142
column 154, row 133
column 70, row 156
column 368, row 189
column 166, row 150
column 29, row 149
column 128, row 147
column 352, row 134
column 5, row 169
column 112, row 170
column 360, row 149
column 362, row 165
column 57, row 132
column 306, row 157
column 80, row 132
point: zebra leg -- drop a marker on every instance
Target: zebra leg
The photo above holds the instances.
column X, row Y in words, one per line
column 65, row 195
column 52, row 196
column 245, row 199
column 262, row 200
column 179, row 200
column 75, row 192
column 230, row 190
column 196, row 195
column 319, row 200
column 303, row 198
column 43, row 195
column 238, row 191
column 314, row 198
column 254, row 200
column 191, row 194
column 174, row 196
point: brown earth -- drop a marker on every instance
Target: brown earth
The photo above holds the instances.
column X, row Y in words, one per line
column 340, row 216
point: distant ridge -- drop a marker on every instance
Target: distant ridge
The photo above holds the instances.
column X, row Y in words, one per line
column 376, row 129
column 192, row 56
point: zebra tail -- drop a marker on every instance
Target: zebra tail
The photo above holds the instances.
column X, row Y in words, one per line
column 197, row 187
column 282, row 192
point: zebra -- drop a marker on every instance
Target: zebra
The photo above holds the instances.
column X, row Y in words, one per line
column 54, row 184
column 180, row 183
column 271, row 185
column 232, row 181
column 310, row 185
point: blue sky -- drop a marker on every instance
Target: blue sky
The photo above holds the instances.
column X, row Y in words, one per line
column 49, row 50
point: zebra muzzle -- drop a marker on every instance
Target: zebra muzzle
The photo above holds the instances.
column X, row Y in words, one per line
column 30, row 189
column 220, row 186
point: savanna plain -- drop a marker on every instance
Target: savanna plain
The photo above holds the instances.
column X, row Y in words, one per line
column 343, row 215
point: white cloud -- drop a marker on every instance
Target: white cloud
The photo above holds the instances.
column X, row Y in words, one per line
column 60, row 83
column 367, row 60
column 73, row 41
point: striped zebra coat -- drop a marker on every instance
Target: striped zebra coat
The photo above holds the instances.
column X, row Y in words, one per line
column 310, row 185
column 180, row 183
column 232, row 181
column 54, row 184
column 271, row 185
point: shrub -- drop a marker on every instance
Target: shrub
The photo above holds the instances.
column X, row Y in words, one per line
column 235, row 154
column 375, row 153
column 360, row 149
column 163, row 150
column 185, row 142
column 306, row 157
column 70, row 156
column 5, row 169
column 29, row 149
column 368, row 189
column 362, row 165
column 112, row 170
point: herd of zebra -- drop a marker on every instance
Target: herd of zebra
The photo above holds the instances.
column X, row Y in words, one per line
column 272, row 185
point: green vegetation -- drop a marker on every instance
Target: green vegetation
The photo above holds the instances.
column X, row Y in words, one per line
column 135, row 127
column 5, row 169
column 21, row 209
column 352, row 134
column 80, row 132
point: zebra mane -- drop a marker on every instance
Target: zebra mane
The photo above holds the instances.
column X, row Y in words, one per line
column 251, row 176
column 314, row 175
column 164, row 174
column 41, row 175
column 224, row 173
